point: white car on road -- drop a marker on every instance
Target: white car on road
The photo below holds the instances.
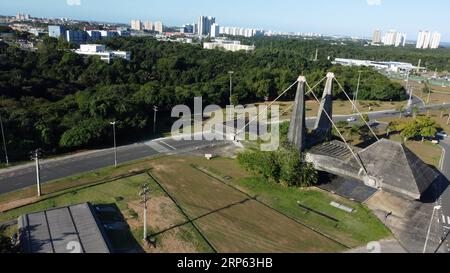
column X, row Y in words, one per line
column 352, row 119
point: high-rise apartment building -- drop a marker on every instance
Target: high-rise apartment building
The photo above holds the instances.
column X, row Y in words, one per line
column 136, row 25
column 148, row 25
column 426, row 39
column 204, row 25
column 215, row 30
column 376, row 38
column 159, row 27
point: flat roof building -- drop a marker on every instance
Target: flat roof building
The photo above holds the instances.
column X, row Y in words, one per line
column 72, row 229
column 100, row 51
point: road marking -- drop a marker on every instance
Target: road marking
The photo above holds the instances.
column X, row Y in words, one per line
column 170, row 146
column 448, row 220
column 443, row 219
column 157, row 147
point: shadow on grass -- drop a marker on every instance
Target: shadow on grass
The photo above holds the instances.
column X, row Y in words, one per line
column 117, row 230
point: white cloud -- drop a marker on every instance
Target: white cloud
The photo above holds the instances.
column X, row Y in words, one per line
column 73, row 2
column 373, row 2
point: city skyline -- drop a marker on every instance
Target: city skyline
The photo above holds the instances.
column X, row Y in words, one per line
column 285, row 16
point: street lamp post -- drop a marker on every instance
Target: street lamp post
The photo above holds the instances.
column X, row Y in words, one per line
column 36, row 155
column 4, row 141
column 115, row 143
column 155, row 110
column 429, row 228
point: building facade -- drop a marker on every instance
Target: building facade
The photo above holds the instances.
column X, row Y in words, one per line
column 56, row 31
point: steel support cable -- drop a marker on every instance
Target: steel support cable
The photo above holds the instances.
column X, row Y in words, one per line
column 272, row 103
column 357, row 110
column 337, row 129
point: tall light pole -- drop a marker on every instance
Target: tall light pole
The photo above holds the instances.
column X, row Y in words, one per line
column 429, row 228
column 36, row 155
column 144, row 193
column 155, row 110
column 4, row 141
column 355, row 96
column 115, row 143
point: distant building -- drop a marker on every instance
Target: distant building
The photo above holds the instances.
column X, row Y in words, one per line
column 159, row 27
column 148, row 25
column 215, row 30
column 228, row 46
column 376, row 38
column 385, row 66
column 76, row 36
column 94, row 35
column 136, row 25
column 100, row 51
column 56, row 31
column 426, row 39
column 204, row 25
column 22, row 17
column 187, row 28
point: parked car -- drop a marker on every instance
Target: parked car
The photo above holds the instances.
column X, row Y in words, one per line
column 352, row 119
column 442, row 134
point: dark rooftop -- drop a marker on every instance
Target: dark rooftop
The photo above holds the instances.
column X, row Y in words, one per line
column 62, row 230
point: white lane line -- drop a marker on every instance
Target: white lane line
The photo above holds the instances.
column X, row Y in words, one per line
column 448, row 220
column 157, row 147
column 443, row 219
column 170, row 146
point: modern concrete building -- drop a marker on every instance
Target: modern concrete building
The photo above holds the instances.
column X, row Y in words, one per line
column 204, row 25
column 56, row 31
column 94, row 35
column 215, row 30
column 100, row 51
column 228, row 46
column 426, row 39
column 376, row 38
column 72, row 229
column 159, row 27
column 76, row 36
column 385, row 66
column 148, row 25
column 136, row 25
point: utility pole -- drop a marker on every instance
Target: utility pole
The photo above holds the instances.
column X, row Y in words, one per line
column 429, row 95
column 155, row 110
column 115, row 144
column 355, row 96
column 317, row 55
column 144, row 193
column 4, row 141
column 36, row 155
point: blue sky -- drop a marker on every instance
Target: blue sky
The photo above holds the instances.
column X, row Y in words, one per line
column 351, row 17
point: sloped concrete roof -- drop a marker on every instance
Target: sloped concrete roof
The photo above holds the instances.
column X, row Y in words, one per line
column 397, row 169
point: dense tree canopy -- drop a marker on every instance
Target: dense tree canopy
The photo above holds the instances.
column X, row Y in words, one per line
column 60, row 101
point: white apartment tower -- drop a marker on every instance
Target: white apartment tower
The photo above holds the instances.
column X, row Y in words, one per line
column 136, row 25
column 148, row 25
column 376, row 38
column 159, row 27
column 426, row 39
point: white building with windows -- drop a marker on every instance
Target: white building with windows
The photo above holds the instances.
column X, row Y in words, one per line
column 136, row 25
column 426, row 39
column 228, row 45
column 100, row 51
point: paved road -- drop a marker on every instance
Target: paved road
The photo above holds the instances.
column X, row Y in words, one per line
column 444, row 200
column 20, row 177
column 24, row 176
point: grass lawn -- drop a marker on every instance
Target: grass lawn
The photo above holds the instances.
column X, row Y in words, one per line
column 354, row 229
column 124, row 194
